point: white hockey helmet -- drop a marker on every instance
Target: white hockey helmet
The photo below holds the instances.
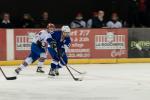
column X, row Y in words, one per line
column 65, row 28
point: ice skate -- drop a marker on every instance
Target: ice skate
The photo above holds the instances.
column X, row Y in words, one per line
column 52, row 72
column 39, row 70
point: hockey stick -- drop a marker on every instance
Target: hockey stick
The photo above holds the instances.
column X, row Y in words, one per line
column 60, row 57
column 76, row 79
column 8, row 78
column 77, row 70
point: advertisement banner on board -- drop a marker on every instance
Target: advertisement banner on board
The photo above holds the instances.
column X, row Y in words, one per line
column 80, row 47
column 139, row 43
column 109, row 43
column 86, row 43
column 3, row 47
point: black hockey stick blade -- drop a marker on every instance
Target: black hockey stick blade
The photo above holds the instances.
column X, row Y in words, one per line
column 8, row 78
column 78, row 79
column 11, row 78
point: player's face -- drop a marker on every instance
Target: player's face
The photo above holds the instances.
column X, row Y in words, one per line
column 65, row 34
column 50, row 29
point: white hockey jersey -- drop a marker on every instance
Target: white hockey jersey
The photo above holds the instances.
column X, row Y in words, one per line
column 42, row 36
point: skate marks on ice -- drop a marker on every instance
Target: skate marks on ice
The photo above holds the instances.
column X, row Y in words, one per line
column 101, row 82
column 121, row 72
column 30, row 72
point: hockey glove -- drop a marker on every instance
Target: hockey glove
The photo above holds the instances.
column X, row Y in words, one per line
column 41, row 44
column 53, row 44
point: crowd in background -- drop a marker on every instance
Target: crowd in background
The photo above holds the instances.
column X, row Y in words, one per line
column 138, row 16
column 27, row 21
column 97, row 21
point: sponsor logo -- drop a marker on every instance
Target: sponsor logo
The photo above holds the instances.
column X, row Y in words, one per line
column 142, row 44
column 119, row 53
column 23, row 42
column 110, row 41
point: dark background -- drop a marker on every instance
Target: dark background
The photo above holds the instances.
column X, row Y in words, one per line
column 62, row 11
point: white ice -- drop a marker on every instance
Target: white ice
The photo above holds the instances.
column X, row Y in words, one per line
column 101, row 82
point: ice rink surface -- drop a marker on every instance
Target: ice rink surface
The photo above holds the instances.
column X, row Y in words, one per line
column 101, row 82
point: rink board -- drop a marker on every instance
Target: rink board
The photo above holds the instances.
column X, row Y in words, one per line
column 86, row 61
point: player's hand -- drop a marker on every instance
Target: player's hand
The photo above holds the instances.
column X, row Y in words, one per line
column 43, row 44
column 53, row 44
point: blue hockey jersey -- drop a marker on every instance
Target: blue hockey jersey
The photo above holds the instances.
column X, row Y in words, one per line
column 57, row 37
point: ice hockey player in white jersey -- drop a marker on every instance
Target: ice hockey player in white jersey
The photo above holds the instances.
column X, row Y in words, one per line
column 38, row 49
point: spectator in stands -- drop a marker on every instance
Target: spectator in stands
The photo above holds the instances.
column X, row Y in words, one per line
column 99, row 22
column 6, row 23
column 78, row 22
column 90, row 21
column 44, row 20
column 27, row 21
column 114, row 22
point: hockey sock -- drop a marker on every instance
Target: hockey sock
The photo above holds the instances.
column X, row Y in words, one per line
column 40, row 64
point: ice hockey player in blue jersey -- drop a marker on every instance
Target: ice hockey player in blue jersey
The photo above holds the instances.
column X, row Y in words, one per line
column 38, row 49
column 58, row 46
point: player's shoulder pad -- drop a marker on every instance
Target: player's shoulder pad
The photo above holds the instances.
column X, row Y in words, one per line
column 43, row 31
